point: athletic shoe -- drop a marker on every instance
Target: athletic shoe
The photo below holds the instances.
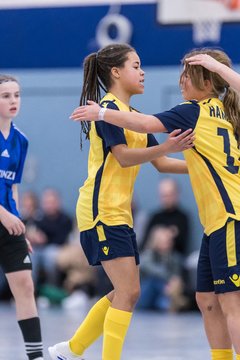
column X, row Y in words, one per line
column 62, row 351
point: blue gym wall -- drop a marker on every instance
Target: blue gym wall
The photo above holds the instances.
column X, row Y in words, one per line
column 45, row 48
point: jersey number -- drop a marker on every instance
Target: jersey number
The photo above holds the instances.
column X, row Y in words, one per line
column 226, row 147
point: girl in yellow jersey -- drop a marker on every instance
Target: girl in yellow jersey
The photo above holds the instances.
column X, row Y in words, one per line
column 104, row 205
column 212, row 110
column 228, row 74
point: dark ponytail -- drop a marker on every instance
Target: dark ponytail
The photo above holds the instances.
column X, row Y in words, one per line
column 97, row 75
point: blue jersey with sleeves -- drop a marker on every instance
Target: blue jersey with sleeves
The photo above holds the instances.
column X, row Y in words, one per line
column 13, row 150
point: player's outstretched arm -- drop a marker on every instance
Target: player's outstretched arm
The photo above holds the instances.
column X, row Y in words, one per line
column 165, row 164
column 176, row 142
column 129, row 120
column 228, row 74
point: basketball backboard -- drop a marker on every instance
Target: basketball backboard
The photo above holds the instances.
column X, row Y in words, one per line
column 206, row 16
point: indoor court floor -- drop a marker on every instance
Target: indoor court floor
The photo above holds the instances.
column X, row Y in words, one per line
column 152, row 335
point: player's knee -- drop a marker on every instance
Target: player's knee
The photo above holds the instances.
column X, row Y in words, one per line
column 129, row 295
column 230, row 303
column 206, row 302
column 25, row 286
column 134, row 295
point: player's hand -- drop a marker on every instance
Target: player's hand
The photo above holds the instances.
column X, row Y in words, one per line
column 204, row 60
column 12, row 223
column 177, row 141
column 86, row 112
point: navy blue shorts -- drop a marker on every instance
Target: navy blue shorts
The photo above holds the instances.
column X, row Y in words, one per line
column 104, row 243
column 219, row 260
column 14, row 255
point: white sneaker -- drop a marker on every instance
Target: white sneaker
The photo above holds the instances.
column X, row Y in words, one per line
column 62, row 351
column 77, row 300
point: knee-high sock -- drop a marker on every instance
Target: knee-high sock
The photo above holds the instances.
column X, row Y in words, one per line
column 222, row 354
column 91, row 328
column 32, row 337
column 115, row 328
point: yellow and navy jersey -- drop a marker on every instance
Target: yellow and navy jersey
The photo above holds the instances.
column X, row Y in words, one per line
column 213, row 163
column 106, row 195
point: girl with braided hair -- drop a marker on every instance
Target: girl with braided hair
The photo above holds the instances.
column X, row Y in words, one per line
column 104, row 204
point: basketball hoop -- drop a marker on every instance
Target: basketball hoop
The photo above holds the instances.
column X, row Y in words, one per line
column 206, row 30
column 206, row 16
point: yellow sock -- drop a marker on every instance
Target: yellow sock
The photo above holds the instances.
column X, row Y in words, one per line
column 238, row 357
column 222, row 354
column 115, row 328
column 91, row 328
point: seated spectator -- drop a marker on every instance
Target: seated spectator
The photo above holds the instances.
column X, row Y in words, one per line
column 162, row 286
column 79, row 278
column 31, row 216
column 140, row 219
column 190, row 265
column 170, row 214
column 56, row 226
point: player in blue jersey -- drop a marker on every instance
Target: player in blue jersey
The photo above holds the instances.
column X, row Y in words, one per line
column 14, row 248
column 104, row 206
column 212, row 109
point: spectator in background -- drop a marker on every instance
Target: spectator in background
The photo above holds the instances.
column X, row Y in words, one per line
column 161, row 273
column 79, row 279
column 31, row 216
column 170, row 214
column 30, row 206
column 56, row 226
column 5, row 292
column 140, row 219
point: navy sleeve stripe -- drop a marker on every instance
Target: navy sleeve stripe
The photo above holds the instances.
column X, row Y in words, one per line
column 182, row 116
column 112, row 135
column 152, row 141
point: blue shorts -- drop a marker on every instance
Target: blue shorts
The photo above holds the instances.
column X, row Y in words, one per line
column 219, row 260
column 104, row 243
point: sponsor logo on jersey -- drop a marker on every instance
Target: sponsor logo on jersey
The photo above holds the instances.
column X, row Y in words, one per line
column 235, row 278
column 5, row 153
column 9, row 175
column 105, row 249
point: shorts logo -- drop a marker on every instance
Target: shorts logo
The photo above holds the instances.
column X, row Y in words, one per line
column 105, row 249
column 219, row 282
column 235, row 279
column 27, row 260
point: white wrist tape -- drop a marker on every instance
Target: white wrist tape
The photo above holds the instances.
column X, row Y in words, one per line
column 101, row 114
